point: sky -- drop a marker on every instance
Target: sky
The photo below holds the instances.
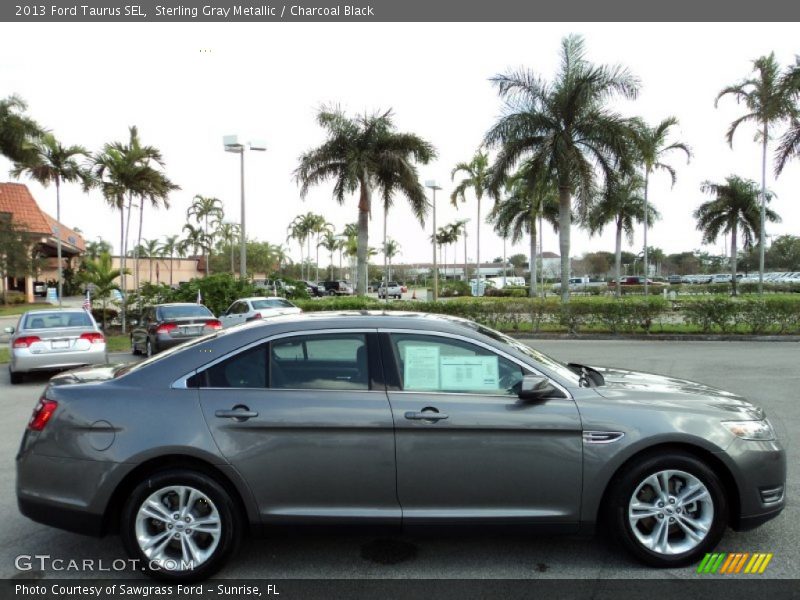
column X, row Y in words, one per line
column 186, row 85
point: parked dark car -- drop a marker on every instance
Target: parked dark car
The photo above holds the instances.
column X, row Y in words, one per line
column 633, row 280
column 402, row 419
column 336, row 288
column 313, row 289
column 167, row 325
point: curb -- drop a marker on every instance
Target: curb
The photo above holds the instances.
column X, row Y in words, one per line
column 657, row 337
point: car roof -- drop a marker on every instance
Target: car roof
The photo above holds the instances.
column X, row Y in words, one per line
column 251, row 298
column 180, row 304
column 55, row 309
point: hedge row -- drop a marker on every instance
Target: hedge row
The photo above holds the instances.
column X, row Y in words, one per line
column 774, row 314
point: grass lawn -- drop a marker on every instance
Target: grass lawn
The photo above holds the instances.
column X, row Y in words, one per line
column 118, row 343
column 4, row 357
column 18, row 309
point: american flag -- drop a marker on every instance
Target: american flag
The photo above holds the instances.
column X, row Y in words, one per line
column 87, row 302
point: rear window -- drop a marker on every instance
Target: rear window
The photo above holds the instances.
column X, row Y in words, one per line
column 179, row 312
column 272, row 303
column 58, row 320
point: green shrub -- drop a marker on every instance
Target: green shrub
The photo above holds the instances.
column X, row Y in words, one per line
column 708, row 313
column 508, row 292
column 455, row 288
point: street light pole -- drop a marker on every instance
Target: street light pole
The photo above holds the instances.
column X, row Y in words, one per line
column 232, row 144
column 433, row 185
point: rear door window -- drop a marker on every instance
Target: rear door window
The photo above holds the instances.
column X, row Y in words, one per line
column 337, row 361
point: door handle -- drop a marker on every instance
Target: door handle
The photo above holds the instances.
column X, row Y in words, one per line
column 238, row 413
column 425, row 415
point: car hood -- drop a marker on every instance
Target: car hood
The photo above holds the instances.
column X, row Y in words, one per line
column 90, row 374
column 669, row 392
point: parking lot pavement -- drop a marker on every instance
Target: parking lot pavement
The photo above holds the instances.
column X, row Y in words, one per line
column 764, row 372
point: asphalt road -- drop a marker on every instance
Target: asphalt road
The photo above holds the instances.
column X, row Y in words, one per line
column 765, row 372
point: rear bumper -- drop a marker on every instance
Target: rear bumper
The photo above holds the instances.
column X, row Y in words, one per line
column 70, row 519
column 23, row 361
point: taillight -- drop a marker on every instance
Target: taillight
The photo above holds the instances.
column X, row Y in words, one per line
column 42, row 413
column 94, row 337
column 26, row 340
column 214, row 324
column 166, row 328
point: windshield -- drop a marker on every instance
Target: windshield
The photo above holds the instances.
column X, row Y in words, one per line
column 56, row 320
column 272, row 303
column 552, row 364
column 187, row 310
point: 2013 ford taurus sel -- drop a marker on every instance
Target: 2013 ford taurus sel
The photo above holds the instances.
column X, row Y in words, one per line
column 390, row 419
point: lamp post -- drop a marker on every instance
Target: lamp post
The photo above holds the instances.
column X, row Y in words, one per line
column 433, row 185
column 232, row 144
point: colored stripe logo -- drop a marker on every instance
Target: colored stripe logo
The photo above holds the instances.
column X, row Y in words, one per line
column 734, row 563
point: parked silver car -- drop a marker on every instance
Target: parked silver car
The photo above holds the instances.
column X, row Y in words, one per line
column 259, row 307
column 388, row 419
column 49, row 340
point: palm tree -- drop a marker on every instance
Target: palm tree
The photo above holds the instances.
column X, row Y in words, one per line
column 318, row 225
column 202, row 209
column 150, row 248
column 623, row 204
column 300, row 230
column 330, row 241
column 228, row 234
column 652, row 145
column 734, row 210
column 17, row 130
column 459, row 228
column 195, row 240
column 281, row 255
column 171, row 247
column 47, row 161
column 527, row 200
column 365, row 154
column 390, row 249
column 789, row 146
column 769, row 97
column 565, row 130
column 95, row 249
column 477, row 178
column 103, row 277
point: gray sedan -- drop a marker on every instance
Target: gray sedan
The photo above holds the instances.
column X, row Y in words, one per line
column 49, row 340
column 396, row 419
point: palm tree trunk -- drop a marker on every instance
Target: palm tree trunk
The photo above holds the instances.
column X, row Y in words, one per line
column 385, row 258
column 207, row 256
column 171, row 261
column 618, row 259
column 763, row 233
column 58, row 241
column 541, row 249
column 121, row 261
column 466, row 266
column 478, row 248
column 233, row 239
column 532, row 265
column 733, row 257
column 646, row 214
column 316, row 272
column 363, row 235
column 564, row 222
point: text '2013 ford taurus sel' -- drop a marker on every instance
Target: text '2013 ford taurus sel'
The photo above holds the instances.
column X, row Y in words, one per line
column 388, row 419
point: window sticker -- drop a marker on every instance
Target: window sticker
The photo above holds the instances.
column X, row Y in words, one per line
column 421, row 368
column 473, row 373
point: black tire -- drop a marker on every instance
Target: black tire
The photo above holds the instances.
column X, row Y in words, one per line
column 16, row 378
column 625, row 485
column 231, row 528
column 331, row 293
column 134, row 350
column 149, row 349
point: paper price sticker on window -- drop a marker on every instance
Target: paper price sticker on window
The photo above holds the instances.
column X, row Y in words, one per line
column 469, row 373
column 421, row 368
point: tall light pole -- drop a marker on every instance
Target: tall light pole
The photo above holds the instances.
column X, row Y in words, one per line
column 434, row 185
column 232, row 144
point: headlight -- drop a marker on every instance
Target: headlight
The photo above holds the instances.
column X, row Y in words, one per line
column 751, row 430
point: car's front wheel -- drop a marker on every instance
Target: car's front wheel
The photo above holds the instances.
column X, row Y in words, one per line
column 669, row 510
column 181, row 525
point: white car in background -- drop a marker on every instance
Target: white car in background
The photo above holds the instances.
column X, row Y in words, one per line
column 258, row 307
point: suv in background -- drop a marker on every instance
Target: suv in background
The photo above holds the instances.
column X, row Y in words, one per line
column 394, row 290
column 336, row 288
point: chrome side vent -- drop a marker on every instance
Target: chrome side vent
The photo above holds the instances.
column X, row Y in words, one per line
column 771, row 495
column 601, row 437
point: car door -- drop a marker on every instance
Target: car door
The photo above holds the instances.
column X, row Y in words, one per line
column 467, row 447
column 306, row 420
column 234, row 315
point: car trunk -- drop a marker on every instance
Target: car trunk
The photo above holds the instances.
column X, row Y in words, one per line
column 64, row 339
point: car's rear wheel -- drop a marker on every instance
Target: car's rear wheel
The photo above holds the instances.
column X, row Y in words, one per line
column 181, row 525
column 134, row 349
column 331, row 293
column 16, row 377
column 149, row 348
column 669, row 510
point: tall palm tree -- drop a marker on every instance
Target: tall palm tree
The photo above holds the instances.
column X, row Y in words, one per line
column 477, row 179
column 150, row 249
column 95, row 249
column 330, row 241
column 652, row 145
column 789, row 146
column 565, row 130
column 623, row 204
column 300, row 230
column 527, row 200
column 17, row 130
column 281, row 255
column 103, row 278
column 48, row 161
column 365, row 154
column 171, row 247
column 734, row 210
column 228, row 234
column 318, row 225
column 459, row 228
column 390, row 249
column 770, row 99
column 208, row 211
column 195, row 240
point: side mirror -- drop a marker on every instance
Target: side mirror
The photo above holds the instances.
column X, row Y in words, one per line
column 537, row 387
column 9, row 330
